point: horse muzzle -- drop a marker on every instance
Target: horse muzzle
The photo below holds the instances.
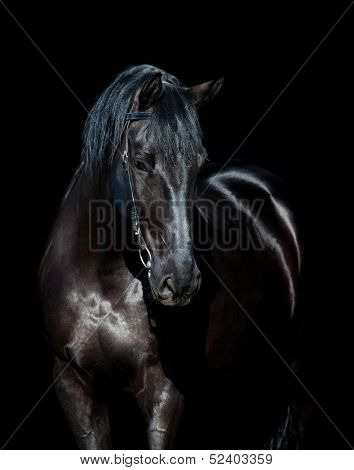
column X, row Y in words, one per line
column 173, row 290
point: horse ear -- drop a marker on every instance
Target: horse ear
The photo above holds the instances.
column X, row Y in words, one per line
column 205, row 92
column 150, row 93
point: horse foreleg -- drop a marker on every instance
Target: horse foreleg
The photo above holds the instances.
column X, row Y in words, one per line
column 162, row 405
column 87, row 418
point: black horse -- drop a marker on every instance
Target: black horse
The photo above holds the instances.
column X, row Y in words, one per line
column 168, row 277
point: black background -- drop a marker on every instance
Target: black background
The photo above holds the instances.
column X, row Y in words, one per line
column 306, row 138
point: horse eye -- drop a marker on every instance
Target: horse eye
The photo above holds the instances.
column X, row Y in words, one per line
column 140, row 165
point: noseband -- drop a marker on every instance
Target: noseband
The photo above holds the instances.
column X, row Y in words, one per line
column 143, row 249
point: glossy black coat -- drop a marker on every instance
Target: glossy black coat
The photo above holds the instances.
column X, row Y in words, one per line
column 194, row 362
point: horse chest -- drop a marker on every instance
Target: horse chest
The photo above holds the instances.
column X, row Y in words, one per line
column 114, row 334
column 127, row 338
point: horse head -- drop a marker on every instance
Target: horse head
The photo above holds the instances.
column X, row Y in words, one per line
column 157, row 162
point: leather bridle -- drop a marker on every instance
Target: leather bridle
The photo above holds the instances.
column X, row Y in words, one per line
column 144, row 252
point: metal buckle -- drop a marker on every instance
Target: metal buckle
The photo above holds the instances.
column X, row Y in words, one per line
column 146, row 264
column 125, row 160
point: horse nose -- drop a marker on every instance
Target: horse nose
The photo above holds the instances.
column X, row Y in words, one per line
column 167, row 290
column 172, row 287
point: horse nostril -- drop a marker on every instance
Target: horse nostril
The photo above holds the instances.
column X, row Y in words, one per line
column 198, row 280
column 171, row 285
column 167, row 289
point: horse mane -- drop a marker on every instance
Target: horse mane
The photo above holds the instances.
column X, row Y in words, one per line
column 174, row 124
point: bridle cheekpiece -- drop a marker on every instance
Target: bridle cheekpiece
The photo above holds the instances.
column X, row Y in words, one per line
column 134, row 212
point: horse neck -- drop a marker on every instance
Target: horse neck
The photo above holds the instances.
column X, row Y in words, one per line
column 70, row 244
column 74, row 218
